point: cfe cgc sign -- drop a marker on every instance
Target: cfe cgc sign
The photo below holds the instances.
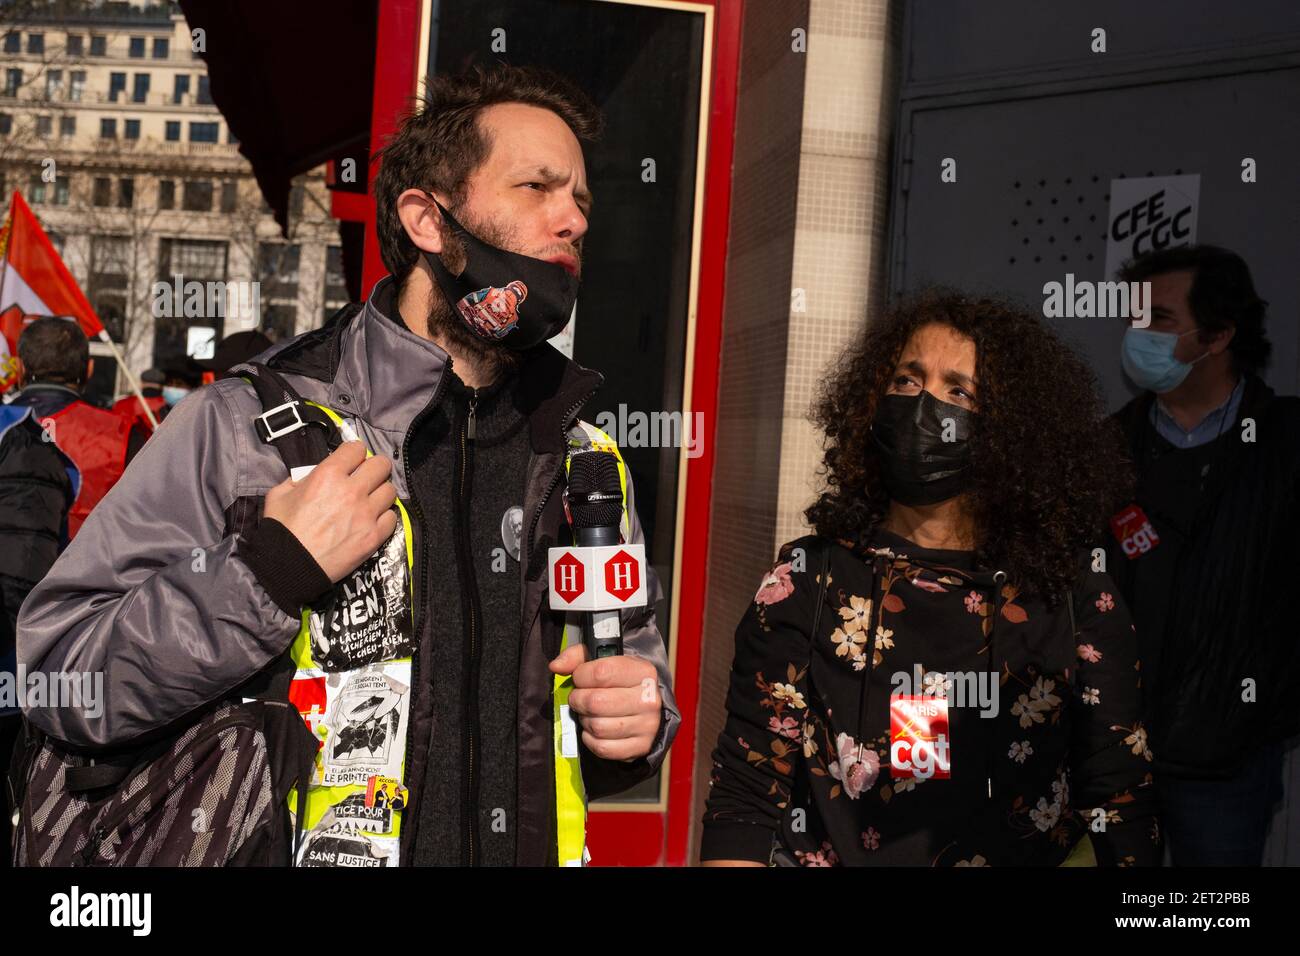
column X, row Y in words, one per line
column 1149, row 214
column 597, row 579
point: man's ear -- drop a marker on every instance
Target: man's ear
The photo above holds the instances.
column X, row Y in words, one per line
column 90, row 370
column 20, row 370
column 1222, row 340
column 421, row 219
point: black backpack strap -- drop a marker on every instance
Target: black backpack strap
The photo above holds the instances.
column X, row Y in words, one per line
column 300, row 432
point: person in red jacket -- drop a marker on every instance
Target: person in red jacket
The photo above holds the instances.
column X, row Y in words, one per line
column 151, row 387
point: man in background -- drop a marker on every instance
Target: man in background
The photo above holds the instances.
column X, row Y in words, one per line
column 58, row 456
column 1206, row 556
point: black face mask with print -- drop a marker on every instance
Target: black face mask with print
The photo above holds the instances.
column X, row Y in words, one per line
column 918, row 467
column 503, row 297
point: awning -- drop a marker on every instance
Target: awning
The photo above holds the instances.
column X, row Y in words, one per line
column 293, row 80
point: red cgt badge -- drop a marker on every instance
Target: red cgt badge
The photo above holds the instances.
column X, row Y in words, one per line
column 918, row 738
column 1134, row 532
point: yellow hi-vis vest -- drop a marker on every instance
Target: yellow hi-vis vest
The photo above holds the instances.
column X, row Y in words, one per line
column 570, row 795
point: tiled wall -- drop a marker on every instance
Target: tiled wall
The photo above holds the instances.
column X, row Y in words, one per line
column 755, row 330
column 812, row 153
column 840, row 234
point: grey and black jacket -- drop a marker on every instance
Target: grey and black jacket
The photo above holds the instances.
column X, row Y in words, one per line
column 178, row 593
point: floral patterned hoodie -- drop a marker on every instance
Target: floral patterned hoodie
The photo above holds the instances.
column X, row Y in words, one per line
column 1044, row 741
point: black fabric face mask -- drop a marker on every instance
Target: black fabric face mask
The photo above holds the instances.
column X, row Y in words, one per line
column 917, row 466
column 504, row 297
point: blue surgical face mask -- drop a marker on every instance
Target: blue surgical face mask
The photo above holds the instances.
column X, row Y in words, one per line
column 1148, row 359
column 173, row 394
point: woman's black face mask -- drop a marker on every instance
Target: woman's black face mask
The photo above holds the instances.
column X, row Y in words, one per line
column 924, row 448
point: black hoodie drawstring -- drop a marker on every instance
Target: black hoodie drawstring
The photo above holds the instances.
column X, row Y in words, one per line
column 999, row 579
column 877, row 563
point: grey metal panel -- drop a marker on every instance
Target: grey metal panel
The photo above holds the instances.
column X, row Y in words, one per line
column 984, row 38
column 1026, row 165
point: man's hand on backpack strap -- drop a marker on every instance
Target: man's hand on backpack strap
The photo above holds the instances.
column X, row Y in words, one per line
column 341, row 512
column 617, row 701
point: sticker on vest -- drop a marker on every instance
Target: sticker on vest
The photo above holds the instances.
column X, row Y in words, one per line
column 385, row 792
column 332, row 844
column 1134, row 532
column 918, row 738
column 367, row 617
column 365, row 723
column 354, row 814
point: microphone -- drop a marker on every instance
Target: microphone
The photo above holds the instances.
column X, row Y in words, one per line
column 599, row 575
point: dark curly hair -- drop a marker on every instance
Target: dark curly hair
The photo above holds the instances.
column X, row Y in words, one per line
column 1049, row 467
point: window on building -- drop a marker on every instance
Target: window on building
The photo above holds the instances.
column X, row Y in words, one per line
column 166, row 194
column 61, row 192
column 110, row 271
column 131, row 129
column 36, row 189
column 44, row 126
column 6, row 127
column 336, row 287
column 126, row 192
column 161, row 48
column 278, row 320
column 180, row 87
column 296, row 195
column 196, row 260
column 116, row 86
column 135, row 49
column 76, row 85
column 13, row 81
column 197, row 195
column 75, row 45
column 67, row 126
column 53, row 84
column 108, row 129
column 204, row 96
column 173, row 131
column 140, row 88
column 13, row 42
column 102, row 192
column 36, row 43
column 204, row 132
column 277, row 269
column 229, row 196
column 98, row 46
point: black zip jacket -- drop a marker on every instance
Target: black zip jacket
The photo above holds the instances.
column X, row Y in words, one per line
column 1223, row 616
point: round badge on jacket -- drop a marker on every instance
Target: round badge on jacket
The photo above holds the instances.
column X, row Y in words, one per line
column 512, row 530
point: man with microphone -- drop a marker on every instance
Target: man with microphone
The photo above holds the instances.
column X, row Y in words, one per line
column 192, row 577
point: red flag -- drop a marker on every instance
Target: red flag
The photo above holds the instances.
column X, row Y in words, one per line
column 34, row 282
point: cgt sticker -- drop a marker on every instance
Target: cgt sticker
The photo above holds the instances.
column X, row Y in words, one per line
column 1134, row 532
column 918, row 738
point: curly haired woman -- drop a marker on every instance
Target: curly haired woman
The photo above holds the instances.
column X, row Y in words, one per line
column 962, row 688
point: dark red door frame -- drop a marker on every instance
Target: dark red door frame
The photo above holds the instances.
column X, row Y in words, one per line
column 623, row 837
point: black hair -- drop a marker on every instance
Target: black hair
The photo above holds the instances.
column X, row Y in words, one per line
column 1222, row 296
